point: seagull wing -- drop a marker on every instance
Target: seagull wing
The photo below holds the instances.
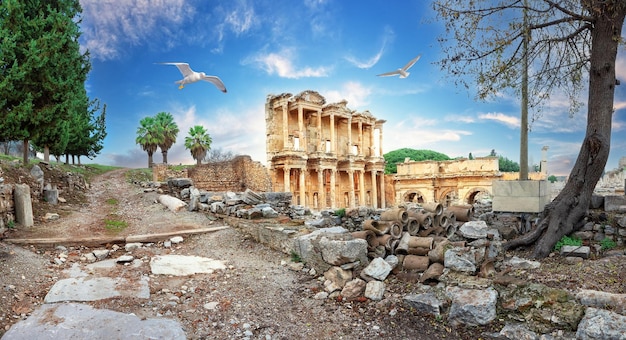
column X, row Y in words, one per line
column 410, row 63
column 388, row 74
column 182, row 67
column 215, row 81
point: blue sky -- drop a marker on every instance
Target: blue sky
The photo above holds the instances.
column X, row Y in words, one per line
column 333, row 47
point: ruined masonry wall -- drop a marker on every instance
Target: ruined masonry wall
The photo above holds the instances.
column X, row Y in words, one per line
column 237, row 175
column 6, row 205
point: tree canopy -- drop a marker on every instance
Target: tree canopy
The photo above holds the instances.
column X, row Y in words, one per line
column 198, row 142
column 392, row 158
column 42, row 74
column 572, row 43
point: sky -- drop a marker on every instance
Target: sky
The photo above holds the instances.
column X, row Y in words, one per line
column 268, row 47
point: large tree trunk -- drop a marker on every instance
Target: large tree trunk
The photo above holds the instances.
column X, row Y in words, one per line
column 565, row 213
column 164, row 156
column 46, row 153
column 150, row 160
column 25, row 151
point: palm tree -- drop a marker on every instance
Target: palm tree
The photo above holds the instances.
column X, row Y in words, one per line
column 198, row 142
column 167, row 131
column 147, row 137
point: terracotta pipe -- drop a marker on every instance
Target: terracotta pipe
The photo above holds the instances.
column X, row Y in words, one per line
column 425, row 220
column 412, row 226
column 368, row 236
column 418, row 251
column 415, row 263
column 423, row 242
column 396, row 214
column 434, row 271
column 395, row 229
column 461, row 213
column 376, row 227
column 403, row 244
column 433, row 207
column 437, row 254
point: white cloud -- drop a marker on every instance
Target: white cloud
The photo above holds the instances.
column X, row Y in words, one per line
column 282, row 65
column 354, row 93
column 459, row 118
column 110, row 25
column 510, row 121
column 387, row 36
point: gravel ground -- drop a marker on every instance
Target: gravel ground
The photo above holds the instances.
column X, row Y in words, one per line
column 258, row 296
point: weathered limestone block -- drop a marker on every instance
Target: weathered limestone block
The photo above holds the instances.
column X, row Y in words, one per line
column 23, row 205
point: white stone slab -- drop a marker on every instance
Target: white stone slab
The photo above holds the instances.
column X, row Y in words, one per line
column 182, row 265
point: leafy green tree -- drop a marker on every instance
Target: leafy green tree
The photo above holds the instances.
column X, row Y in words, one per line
column 198, row 143
column 167, row 131
column 552, row 178
column 571, row 41
column 40, row 66
column 507, row 165
column 392, row 158
column 147, row 137
column 470, row 157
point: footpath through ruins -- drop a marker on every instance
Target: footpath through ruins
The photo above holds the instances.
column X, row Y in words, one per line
column 251, row 265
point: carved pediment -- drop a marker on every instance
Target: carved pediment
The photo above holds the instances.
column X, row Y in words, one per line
column 310, row 96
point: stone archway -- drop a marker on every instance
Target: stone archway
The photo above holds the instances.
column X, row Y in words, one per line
column 475, row 194
column 448, row 197
column 413, row 197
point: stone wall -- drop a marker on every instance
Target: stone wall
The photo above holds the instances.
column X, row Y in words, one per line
column 6, row 206
column 237, row 175
column 161, row 172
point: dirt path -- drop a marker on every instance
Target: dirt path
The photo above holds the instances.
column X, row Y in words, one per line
column 257, row 297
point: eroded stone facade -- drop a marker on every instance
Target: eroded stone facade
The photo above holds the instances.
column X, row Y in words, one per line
column 447, row 182
column 326, row 155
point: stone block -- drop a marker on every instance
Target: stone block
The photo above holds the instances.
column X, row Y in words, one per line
column 615, row 203
column 577, row 251
column 520, row 196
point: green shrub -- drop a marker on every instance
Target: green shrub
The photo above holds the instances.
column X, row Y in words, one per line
column 11, row 224
column 340, row 212
column 295, row 257
column 608, row 244
column 568, row 241
column 112, row 201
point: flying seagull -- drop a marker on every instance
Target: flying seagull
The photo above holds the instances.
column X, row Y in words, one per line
column 190, row 76
column 402, row 72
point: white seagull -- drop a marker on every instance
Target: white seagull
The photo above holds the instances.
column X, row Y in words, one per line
column 402, row 72
column 190, row 76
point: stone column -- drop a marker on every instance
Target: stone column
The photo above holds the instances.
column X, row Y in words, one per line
column 349, row 148
column 23, row 205
column 383, row 204
column 302, row 188
column 321, row 142
column 333, row 173
column 374, row 190
column 300, row 129
column 285, row 127
column 321, row 194
column 371, row 153
column 360, row 147
column 362, row 200
column 352, row 191
column 286, row 175
column 332, row 133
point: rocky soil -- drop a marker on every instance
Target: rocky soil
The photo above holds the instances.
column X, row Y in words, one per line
column 258, row 296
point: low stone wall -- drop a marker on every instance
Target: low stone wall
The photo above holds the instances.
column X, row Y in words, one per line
column 238, row 174
column 7, row 209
